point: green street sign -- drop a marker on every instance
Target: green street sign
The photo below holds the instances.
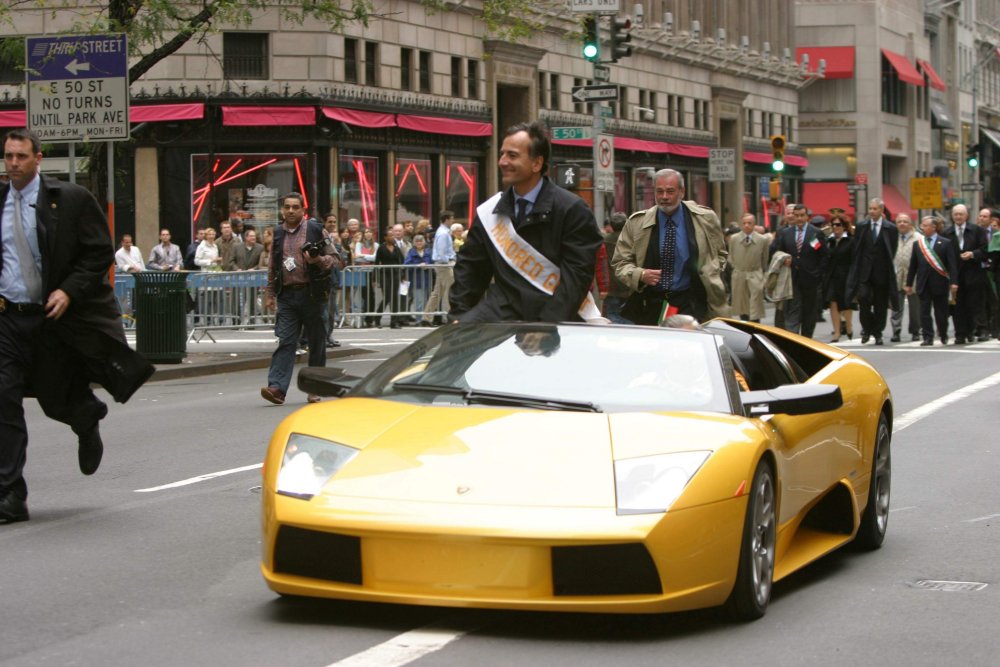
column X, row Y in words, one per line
column 572, row 133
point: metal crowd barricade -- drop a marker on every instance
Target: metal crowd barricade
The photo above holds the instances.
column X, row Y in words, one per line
column 370, row 293
column 218, row 300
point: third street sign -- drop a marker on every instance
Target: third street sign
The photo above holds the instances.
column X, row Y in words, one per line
column 593, row 93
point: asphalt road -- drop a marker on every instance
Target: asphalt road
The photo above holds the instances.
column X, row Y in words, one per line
column 128, row 568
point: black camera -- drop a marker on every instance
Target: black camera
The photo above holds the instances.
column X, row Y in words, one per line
column 321, row 247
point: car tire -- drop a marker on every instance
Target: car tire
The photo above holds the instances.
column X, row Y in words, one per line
column 755, row 575
column 875, row 519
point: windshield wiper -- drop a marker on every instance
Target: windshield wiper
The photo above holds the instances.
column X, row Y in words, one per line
column 481, row 397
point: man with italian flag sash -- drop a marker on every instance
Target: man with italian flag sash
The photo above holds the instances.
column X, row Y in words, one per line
column 934, row 274
column 532, row 248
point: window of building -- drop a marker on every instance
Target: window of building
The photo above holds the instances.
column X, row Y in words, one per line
column 472, row 78
column 412, row 188
column 675, row 110
column 244, row 55
column 406, row 69
column 357, row 189
column 350, row 60
column 748, row 129
column 371, row 64
column 620, row 107
column 646, row 110
column 425, row 71
column 456, row 76
column 643, row 189
column 828, row 95
column 580, row 107
column 246, row 187
column 554, row 96
column 461, row 184
column 702, row 120
column 893, row 90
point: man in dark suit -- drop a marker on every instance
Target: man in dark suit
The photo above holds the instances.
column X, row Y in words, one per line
column 549, row 242
column 808, row 257
column 970, row 245
column 934, row 276
column 60, row 327
column 873, row 271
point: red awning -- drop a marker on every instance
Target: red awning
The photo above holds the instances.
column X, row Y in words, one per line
column 896, row 203
column 839, row 60
column 164, row 112
column 932, row 75
column 905, row 70
column 15, row 118
column 681, row 150
column 438, row 125
column 360, row 118
column 266, row 116
column 821, row 197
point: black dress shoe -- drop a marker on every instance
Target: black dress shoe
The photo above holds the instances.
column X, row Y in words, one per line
column 90, row 450
column 865, row 338
column 982, row 339
column 332, row 343
column 879, row 341
column 959, row 340
column 944, row 340
column 927, row 343
column 13, row 509
column 916, row 338
column 895, row 339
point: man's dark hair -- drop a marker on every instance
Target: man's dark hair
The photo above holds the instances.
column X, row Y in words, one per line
column 995, row 213
column 799, row 207
column 24, row 134
column 445, row 216
column 618, row 220
column 538, row 140
column 294, row 195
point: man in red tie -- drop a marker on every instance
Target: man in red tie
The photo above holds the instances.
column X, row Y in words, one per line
column 808, row 255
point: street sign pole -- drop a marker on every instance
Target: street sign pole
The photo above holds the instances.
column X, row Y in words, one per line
column 598, row 128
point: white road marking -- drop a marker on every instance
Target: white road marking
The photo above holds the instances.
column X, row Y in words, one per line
column 903, row 509
column 982, row 518
column 357, row 361
column 201, row 478
column 403, row 649
column 913, row 416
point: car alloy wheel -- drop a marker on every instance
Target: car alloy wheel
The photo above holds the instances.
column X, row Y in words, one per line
column 875, row 520
column 755, row 576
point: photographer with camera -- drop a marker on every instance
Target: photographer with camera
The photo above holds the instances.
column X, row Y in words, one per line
column 298, row 282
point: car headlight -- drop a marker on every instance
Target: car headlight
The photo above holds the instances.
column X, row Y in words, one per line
column 651, row 484
column 308, row 463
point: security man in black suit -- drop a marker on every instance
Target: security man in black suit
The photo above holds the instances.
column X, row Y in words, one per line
column 873, row 271
column 933, row 275
column 60, row 326
column 970, row 244
column 809, row 256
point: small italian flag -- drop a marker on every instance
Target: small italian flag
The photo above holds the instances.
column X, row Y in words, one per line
column 666, row 312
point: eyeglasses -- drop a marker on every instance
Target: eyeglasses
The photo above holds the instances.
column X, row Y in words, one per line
column 838, row 224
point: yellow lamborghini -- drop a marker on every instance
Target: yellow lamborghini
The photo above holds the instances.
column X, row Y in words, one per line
column 579, row 468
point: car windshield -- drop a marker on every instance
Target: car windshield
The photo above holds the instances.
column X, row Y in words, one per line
column 556, row 367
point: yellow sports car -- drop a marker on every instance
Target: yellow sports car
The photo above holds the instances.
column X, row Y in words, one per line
column 579, row 468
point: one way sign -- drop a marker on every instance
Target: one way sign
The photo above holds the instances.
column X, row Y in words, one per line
column 594, row 93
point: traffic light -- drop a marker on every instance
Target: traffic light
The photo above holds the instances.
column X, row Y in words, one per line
column 620, row 38
column 778, row 152
column 591, row 39
column 972, row 156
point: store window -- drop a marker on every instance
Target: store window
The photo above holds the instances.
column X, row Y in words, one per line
column 645, row 196
column 357, row 189
column 412, row 188
column 461, row 182
column 246, row 187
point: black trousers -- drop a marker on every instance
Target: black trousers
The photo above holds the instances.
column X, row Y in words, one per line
column 967, row 303
column 874, row 300
column 938, row 303
column 802, row 310
column 17, row 334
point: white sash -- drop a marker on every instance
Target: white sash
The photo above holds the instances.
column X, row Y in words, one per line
column 530, row 264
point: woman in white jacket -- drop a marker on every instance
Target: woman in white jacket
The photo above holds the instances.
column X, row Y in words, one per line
column 207, row 257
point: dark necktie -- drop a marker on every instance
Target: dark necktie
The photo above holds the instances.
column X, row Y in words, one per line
column 522, row 212
column 667, row 254
column 799, row 235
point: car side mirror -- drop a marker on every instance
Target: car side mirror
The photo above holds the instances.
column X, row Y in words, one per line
column 326, row 381
column 792, row 399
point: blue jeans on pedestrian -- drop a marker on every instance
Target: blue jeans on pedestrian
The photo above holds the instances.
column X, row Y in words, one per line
column 297, row 313
column 613, row 308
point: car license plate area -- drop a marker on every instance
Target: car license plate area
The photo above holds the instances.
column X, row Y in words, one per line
column 448, row 568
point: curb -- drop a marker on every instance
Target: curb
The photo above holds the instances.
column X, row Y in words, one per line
column 181, row 371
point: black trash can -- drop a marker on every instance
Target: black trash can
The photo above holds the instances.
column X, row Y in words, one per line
column 161, row 316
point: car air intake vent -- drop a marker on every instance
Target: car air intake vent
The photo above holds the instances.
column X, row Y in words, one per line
column 318, row 555
column 605, row 569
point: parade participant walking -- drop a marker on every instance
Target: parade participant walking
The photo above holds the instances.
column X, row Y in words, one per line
column 873, row 273
column 841, row 246
column 907, row 237
column 808, row 256
column 933, row 275
column 679, row 270
column 531, row 250
column 748, row 255
column 60, row 327
column 971, row 245
column 298, row 282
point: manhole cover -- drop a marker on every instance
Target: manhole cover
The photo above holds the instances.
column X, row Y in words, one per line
column 949, row 586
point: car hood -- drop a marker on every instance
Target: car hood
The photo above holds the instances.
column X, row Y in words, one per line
column 512, row 457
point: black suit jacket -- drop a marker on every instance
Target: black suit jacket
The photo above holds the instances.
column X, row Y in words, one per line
column 922, row 276
column 814, row 257
column 873, row 259
column 77, row 253
column 976, row 240
column 560, row 226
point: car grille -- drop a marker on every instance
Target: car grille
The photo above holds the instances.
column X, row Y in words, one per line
column 605, row 569
column 318, row 555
